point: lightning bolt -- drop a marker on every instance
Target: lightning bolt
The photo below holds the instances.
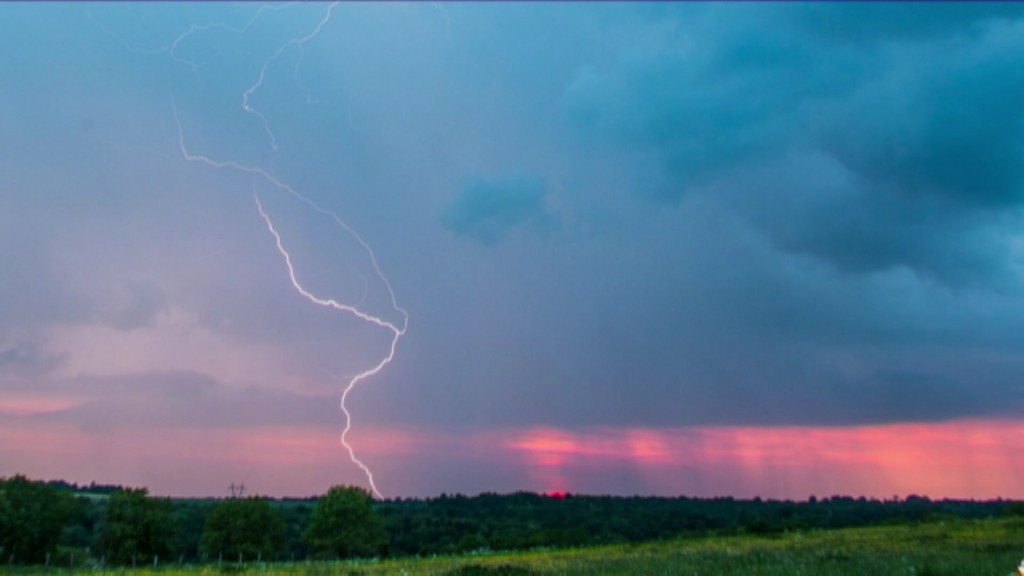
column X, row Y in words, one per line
column 266, row 63
column 396, row 329
column 396, row 333
column 172, row 48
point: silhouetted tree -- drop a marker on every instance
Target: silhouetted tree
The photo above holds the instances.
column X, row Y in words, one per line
column 345, row 525
column 138, row 527
column 244, row 529
column 32, row 517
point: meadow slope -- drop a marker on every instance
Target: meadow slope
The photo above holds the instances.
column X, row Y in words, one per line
column 951, row 547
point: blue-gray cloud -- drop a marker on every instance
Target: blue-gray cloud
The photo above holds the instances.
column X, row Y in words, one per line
column 26, row 358
column 180, row 399
column 487, row 209
column 923, row 124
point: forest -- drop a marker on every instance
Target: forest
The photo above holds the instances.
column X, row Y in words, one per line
column 60, row 524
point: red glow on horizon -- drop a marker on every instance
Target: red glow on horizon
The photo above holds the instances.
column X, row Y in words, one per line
column 966, row 459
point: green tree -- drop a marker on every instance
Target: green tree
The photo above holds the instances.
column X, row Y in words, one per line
column 345, row 525
column 32, row 517
column 244, row 529
column 138, row 527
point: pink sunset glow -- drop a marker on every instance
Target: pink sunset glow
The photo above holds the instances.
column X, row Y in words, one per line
column 965, row 459
column 957, row 459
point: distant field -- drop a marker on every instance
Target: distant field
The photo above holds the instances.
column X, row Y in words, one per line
column 955, row 547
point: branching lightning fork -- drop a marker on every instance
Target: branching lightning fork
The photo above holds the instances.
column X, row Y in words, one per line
column 263, row 71
column 397, row 329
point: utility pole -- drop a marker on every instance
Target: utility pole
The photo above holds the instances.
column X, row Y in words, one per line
column 236, row 491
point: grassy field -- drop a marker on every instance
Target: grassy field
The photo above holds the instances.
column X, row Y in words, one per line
column 953, row 547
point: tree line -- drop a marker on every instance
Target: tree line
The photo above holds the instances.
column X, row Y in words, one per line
column 61, row 524
column 53, row 524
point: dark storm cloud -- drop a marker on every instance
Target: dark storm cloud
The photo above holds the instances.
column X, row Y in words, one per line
column 810, row 203
column 851, row 22
column 940, row 118
column 828, row 208
column 922, row 127
column 487, row 209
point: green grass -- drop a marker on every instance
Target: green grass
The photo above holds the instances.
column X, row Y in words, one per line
column 952, row 547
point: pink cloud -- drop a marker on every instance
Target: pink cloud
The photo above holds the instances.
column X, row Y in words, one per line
column 31, row 404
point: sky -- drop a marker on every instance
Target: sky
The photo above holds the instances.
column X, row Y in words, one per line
column 671, row 249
